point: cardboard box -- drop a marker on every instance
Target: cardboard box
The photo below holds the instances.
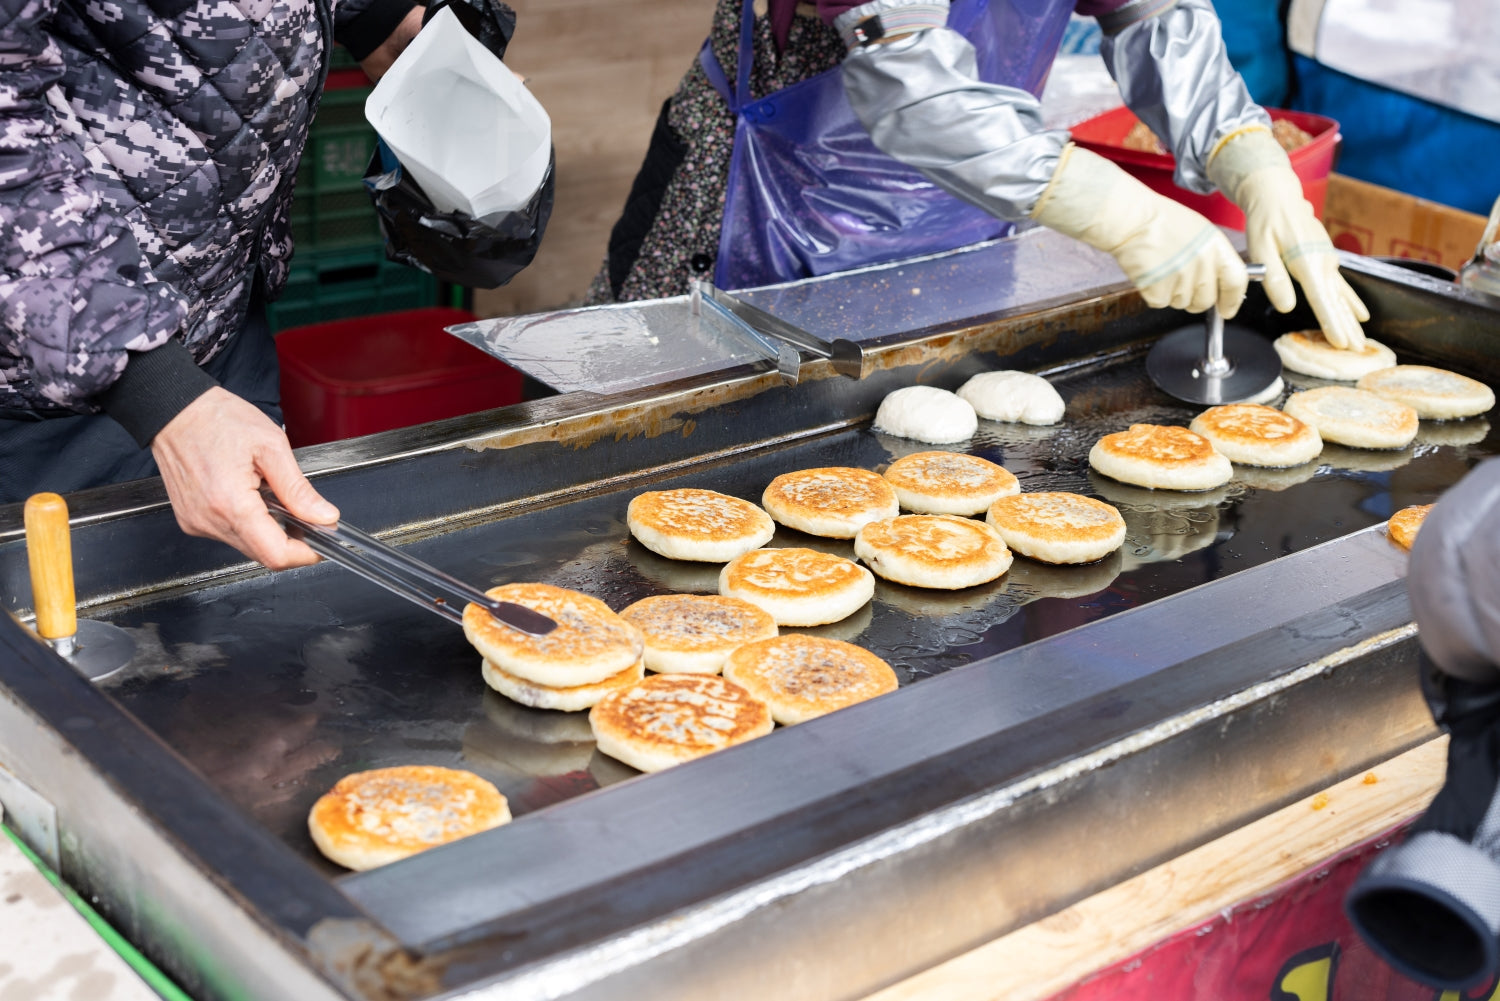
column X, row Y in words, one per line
column 1368, row 219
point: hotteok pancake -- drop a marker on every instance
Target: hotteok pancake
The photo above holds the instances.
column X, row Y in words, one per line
column 1254, row 435
column 933, row 550
column 1058, row 527
column 372, row 818
column 591, row 643
column 832, row 501
column 1161, row 457
column 701, row 525
column 804, row 677
column 671, row 718
column 1355, row 417
column 949, row 482
column 798, row 587
column 693, row 633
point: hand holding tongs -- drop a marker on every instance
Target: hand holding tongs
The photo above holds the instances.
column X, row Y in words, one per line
column 402, row 574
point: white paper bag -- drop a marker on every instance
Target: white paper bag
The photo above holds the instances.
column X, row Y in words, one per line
column 461, row 123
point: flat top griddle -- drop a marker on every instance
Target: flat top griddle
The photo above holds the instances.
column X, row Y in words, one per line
column 275, row 686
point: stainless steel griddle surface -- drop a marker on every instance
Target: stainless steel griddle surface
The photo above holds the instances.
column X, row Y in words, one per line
column 277, row 685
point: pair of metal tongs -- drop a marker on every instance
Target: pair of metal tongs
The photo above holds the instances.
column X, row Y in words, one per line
column 401, row 574
column 783, row 340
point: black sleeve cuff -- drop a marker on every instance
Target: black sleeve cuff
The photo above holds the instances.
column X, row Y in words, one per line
column 369, row 29
column 155, row 387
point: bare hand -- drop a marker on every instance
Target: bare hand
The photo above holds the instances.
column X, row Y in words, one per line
column 213, row 457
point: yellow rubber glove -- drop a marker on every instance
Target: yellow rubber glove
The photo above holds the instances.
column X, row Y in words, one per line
column 1173, row 255
column 1253, row 171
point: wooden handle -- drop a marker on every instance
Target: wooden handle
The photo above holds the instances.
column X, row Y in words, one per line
column 49, row 549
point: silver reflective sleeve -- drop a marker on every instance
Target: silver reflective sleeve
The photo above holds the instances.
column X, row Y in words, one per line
column 1174, row 73
column 922, row 101
column 1454, row 578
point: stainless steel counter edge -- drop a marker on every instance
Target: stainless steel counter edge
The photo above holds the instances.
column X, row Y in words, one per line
column 591, row 967
column 509, row 885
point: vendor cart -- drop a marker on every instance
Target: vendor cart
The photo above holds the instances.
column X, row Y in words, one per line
column 1056, row 731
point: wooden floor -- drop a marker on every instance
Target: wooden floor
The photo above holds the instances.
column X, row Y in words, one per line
column 602, row 70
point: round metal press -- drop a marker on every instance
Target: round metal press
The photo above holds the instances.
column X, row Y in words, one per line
column 97, row 649
column 1211, row 363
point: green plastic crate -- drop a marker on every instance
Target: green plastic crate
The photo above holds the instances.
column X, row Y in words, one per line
column 332, row 285
column 341, row 59
column 334, row 219
column 330, row 208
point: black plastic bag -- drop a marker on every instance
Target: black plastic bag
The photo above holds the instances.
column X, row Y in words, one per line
column 455, row 246
column 493, row 23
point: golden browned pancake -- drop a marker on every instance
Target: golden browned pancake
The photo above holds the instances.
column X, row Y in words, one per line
column 1058, row 527
column 799, row 587
column 1161, row 457
column 591, row 643
column 693, row 633
column 933, row 550
column 832, row 501
column 1254, row 435
column 702, row 525
column 804, row 677
column 949, row 482
column 1355, row 417
column 372, row 818
column 671, row 718
column 1434, row 393
column 1309, row 353
column 1405, row 523
column 573, row 699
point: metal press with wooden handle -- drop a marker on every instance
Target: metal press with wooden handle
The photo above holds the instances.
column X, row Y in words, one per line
column 97, row 649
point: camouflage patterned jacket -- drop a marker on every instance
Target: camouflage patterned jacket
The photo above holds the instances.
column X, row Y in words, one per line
column 147, row 151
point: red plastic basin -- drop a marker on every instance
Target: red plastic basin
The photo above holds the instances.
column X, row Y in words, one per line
column 374, row 373
column 1104, row 134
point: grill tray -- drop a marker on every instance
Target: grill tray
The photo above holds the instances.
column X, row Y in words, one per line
column 278, row 686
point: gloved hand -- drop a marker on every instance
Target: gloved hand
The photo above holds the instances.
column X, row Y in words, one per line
column 1175, row 256
column 1252, row 170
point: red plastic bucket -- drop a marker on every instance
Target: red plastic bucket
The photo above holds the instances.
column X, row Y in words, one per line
column 374, row 373
column 1105, row 135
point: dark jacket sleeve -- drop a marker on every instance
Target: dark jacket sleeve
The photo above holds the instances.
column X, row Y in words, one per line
column 362, row 26
column 76, row 296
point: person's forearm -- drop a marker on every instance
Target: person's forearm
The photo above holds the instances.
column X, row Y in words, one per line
column 922, row 101
column 1174, row 73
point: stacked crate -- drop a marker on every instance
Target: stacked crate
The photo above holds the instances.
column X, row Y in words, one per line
column 339, row 268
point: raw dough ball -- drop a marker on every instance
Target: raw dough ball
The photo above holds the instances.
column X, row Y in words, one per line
column 1018, row 397
column 926, row 414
